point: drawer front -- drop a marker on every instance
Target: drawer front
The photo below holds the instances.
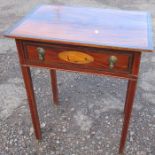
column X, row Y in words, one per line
column 59, row 56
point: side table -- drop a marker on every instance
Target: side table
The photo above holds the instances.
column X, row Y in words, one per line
column 80, row 39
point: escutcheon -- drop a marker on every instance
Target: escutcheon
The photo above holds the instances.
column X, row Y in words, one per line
column 76, row 57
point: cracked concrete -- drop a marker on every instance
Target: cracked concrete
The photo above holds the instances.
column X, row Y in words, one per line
column 89, row 119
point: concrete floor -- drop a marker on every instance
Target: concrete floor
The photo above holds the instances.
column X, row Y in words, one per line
column 89, row 119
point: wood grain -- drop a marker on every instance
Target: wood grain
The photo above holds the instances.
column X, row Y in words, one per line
column 54, row 86
column 31, row 101
column 95, row 27
column 131, row 90
column 100, row 57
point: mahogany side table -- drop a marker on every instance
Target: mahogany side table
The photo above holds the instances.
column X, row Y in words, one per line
column 92, row 40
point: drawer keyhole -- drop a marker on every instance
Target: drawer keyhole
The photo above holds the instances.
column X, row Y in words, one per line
column 41, row 53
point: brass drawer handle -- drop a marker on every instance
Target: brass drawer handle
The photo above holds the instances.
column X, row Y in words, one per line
column 41, row 53
column 112, row 61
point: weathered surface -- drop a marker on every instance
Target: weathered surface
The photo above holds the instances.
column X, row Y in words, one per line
column 89, row 119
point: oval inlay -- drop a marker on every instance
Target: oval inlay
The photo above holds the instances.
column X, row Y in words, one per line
column 76, row 57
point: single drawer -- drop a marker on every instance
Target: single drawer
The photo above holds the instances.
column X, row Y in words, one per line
column 64, row 57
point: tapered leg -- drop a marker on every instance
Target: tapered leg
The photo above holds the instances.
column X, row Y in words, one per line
column 31, row 100
column 54, row 86
column 128, row 109
column 126, row 97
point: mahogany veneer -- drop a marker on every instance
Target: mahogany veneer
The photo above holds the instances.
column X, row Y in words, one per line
column 81, row 39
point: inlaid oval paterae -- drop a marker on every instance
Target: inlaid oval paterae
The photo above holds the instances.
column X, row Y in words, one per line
column 76, row 57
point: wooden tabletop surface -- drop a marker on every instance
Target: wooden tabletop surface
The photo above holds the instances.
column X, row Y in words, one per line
column 97, row 27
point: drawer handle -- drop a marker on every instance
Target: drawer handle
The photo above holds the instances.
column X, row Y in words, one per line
column 41, row 53
column 112, row 61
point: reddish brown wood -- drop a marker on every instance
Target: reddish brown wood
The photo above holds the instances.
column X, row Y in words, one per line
column 54, row 86
column 101, row 57
column 126, row 97
column 31, row 100
column 29, row 90
column 135, row 71
column 88, row 71
column 136, row 63
column 21, row 53
column 129, row 30
column 128, row 109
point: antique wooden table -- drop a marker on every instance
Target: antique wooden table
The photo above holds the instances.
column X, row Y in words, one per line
column 98, row 41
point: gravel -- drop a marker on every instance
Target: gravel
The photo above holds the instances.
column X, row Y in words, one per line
column 89, row 118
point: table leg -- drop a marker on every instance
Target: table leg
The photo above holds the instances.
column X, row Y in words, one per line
column 128, row 109
column 31, row 100
column 126, row 96
column 54, row 86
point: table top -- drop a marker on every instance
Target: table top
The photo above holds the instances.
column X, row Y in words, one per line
column 94, row 27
